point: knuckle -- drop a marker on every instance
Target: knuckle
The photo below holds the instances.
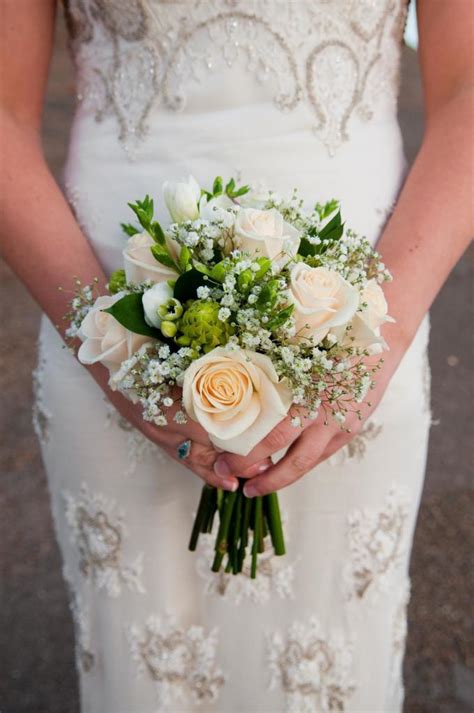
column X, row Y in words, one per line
column 302, row 462
column 277, row 439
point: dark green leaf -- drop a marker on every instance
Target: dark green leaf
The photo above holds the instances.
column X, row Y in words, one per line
column 129, row 312
column 307, row 249
column 333, row 223
column 187, row 284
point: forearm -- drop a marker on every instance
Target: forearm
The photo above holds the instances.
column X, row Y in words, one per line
column 39, row 236
column 432, row 223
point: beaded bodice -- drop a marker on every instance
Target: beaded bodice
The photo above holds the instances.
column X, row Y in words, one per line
column 335, row 60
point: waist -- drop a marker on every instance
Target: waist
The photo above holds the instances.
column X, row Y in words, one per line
column 253, row 143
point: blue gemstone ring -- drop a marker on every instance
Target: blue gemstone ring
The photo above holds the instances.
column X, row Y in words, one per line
column 184, row 449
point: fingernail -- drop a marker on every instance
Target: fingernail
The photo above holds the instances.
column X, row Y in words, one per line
column 229, row 484
column 221, row 468
column 250, row 491
column 263, row 467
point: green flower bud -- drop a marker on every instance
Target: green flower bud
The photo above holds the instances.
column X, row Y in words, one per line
column 168, row 329
column 117, row 281
column 170, row 310
column 201, row 328
column 219, row 272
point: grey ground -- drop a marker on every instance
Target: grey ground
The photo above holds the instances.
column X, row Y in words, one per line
column 37, row 672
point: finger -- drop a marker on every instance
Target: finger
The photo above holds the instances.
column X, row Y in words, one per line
column 257, row 468
column 283, row 435
column 200, row 461
column 301, row 457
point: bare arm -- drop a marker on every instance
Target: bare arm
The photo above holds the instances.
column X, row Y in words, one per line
column 40, row 238
column 427, row 234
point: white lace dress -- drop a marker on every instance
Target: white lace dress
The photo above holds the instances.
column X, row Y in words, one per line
column 299, row 93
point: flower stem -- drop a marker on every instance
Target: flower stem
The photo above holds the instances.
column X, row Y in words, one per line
column 223, row 533
column 205, row 504
column 257, row 535
column 273, row 516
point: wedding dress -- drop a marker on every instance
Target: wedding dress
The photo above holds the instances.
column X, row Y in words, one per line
column 299, row 93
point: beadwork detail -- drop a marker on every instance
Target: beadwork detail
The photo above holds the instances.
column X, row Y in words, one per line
column 98, row 531
column 85, row 657
column 337, row 58
column 314, row 670
column 275, row 576
column 179, row 661
column 375, row 539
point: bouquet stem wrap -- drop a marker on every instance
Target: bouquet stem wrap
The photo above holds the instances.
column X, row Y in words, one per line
column 238, row 515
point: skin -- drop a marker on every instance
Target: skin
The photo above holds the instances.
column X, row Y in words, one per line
column 420, row 245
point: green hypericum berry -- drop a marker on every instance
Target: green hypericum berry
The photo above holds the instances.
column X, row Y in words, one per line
column 117, row 281
column 201, row 329
column 168, row 329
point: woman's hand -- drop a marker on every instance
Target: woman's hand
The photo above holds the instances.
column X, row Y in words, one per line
column 307, row 447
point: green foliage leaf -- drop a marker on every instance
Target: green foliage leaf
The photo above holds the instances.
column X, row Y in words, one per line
column 129, row 229
column 161, row 254
column 334, row 229
column 187, row 284
column 129, row 312
column 324, row 210
column 280, row 318
column 117, row 281
column 268, row 295
column 184, row 258
column 218, row 186
column 157, row 233
column 144, row 211
column 307, row 249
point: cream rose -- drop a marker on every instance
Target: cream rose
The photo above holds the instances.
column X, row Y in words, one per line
column 266, row 233
column 182, row 199
column 139, row 263
column 236, row 397
column 322, row 299
column 104, row 339
column 365, row 330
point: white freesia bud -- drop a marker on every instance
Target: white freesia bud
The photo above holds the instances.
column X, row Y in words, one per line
column 182, row 199
column 153, row 300
column 322, row 299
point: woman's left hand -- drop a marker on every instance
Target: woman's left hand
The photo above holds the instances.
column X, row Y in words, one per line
column 307, row 446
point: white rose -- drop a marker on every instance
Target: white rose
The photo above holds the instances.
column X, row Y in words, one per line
column 221, row 208
column 265, row 232
column 139, row 263
column 236, row 397
column 182, row 199
column 104, row 339
column 153, row 299
column 365, row 331
column 322, row 299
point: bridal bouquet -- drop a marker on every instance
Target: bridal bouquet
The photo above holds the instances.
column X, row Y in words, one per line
column 247, row 308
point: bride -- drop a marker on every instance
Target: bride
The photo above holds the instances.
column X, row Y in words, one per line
column 296, row 93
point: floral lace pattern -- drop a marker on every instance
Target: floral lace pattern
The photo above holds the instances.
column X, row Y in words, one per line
column 357, row 448
column 139, row 448
column 275, row 577
column 375, row 539
column 336, row 58
column 180, row 662
column 399, row 637
column 98, row 531
column 313, row 669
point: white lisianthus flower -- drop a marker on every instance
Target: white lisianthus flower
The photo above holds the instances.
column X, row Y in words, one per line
column 139, row 263
column 265, row 233
column 322, row 299
column 236, row 397
column 182, row 199
column 365, row 329
column 104, row 339
column 154, row 298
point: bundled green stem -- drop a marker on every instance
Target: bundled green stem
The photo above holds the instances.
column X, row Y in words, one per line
column 237, row 515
